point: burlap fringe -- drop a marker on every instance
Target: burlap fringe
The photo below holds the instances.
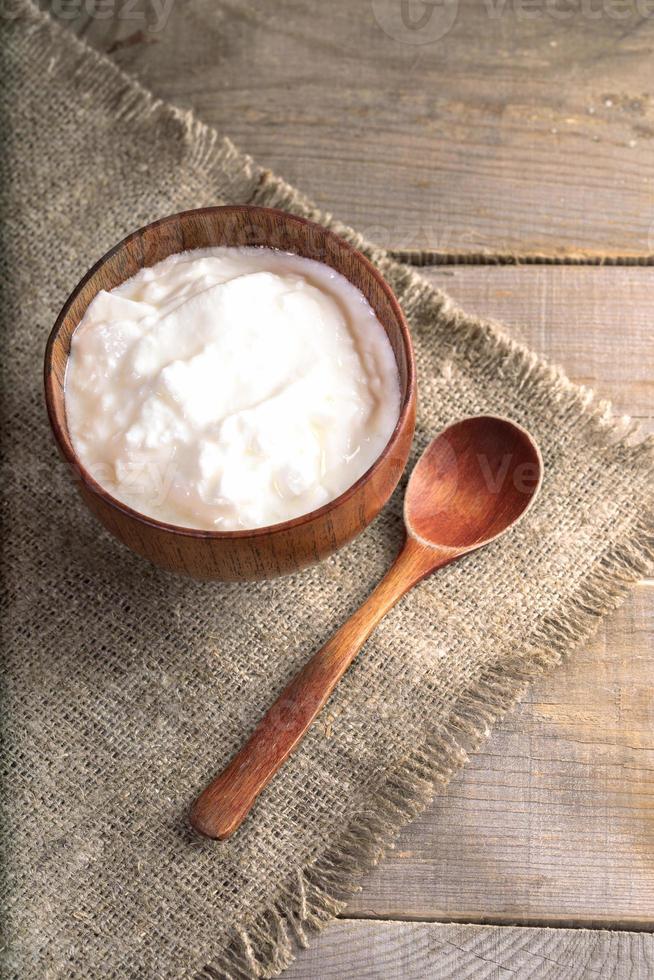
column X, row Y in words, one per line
column 321, row 889
column 266, row 944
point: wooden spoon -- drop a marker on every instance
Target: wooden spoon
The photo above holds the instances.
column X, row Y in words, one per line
column 470, row 485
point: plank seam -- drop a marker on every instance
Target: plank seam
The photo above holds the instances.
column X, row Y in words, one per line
column 423, row 258
column 508, row 922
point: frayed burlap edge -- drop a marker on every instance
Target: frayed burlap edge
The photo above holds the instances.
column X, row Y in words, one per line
column 266, row 944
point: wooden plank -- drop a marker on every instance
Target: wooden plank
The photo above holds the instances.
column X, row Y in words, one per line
column 418, row 950
column 509, row 135
column 552, row 822
column 597, row 323
column 517, row 131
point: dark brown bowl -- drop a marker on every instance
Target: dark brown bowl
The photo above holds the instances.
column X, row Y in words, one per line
column 262, row 552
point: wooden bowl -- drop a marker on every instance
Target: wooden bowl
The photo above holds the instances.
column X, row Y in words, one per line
column 262, row 552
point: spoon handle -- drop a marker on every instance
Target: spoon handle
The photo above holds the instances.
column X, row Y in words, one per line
column 223, row 805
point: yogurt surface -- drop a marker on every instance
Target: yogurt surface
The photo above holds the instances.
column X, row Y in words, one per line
column 230, row 388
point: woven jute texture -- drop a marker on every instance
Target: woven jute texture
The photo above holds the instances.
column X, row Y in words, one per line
column 125, row 687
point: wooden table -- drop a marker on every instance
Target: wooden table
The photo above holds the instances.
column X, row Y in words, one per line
column 517, row 148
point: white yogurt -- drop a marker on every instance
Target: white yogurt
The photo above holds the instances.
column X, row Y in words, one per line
column 230, row 388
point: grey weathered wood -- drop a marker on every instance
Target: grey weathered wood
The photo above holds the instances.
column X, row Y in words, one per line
column 515, row 132
column 509, row 135
column 552, row 822
column 418, row 950
column 597, row 323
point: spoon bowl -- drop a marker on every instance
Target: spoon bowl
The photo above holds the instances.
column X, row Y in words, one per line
column 471, row 484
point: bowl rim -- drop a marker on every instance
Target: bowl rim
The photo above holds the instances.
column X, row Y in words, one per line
column 64, row 441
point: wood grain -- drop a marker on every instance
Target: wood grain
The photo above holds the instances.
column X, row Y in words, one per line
column 419, row 950
column 260, row 552
column 517, row 132
column 597, row 323
column 552, row 821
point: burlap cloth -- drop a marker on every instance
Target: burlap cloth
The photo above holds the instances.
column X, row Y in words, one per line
column 126, row 687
